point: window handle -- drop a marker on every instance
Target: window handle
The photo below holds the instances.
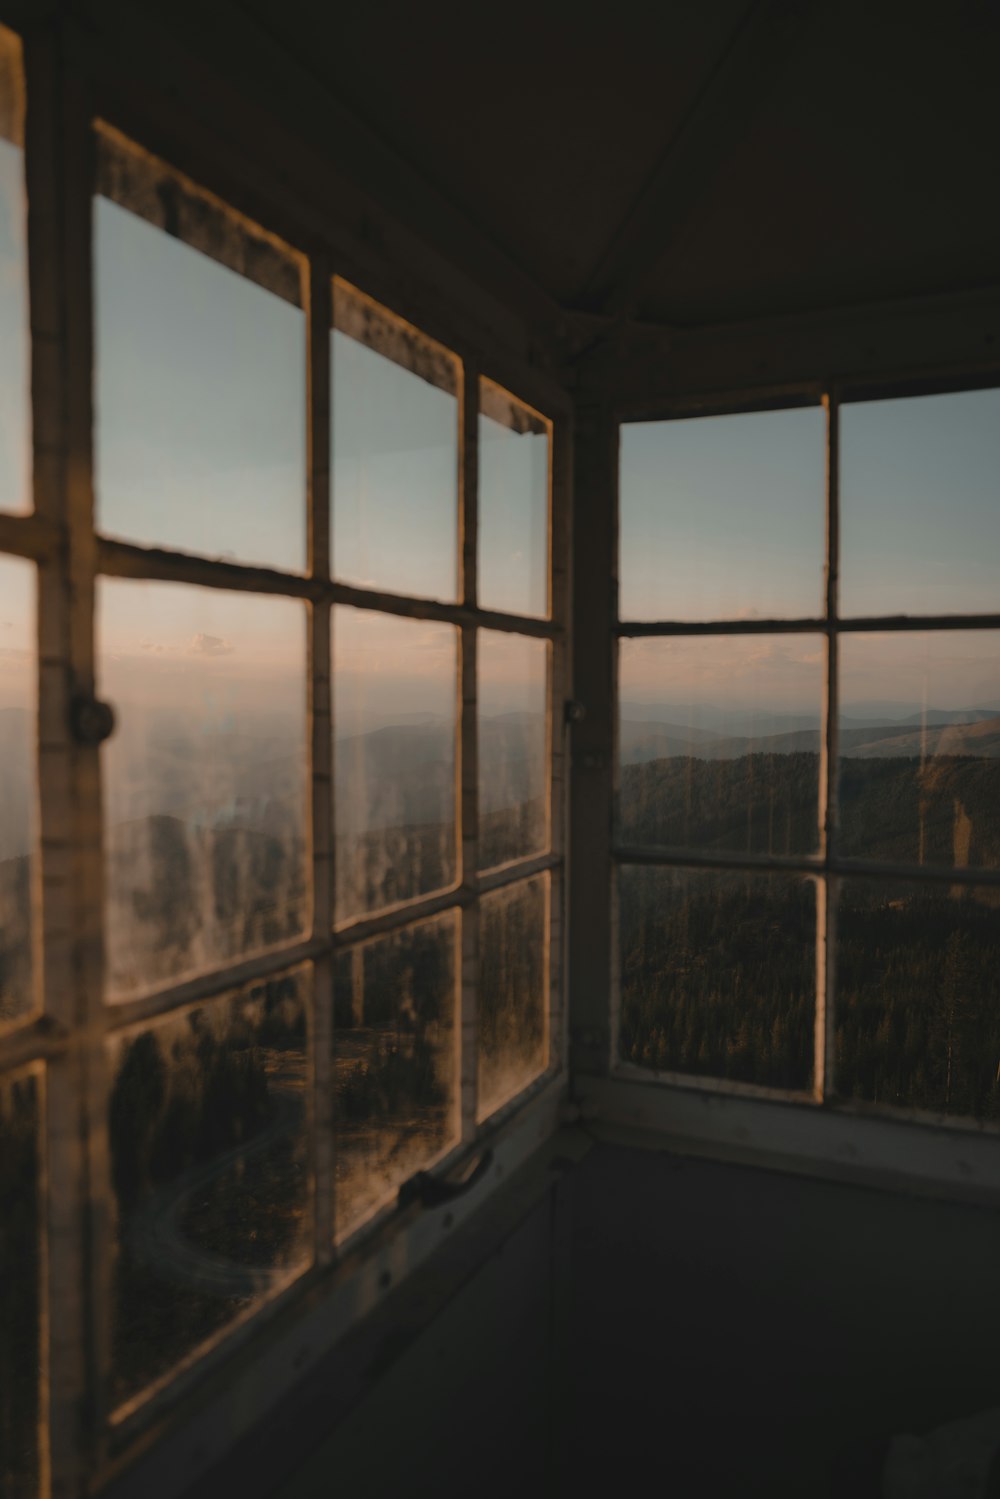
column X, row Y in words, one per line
column 431, row 1191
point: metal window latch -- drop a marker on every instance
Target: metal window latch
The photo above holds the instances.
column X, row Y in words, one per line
column 90, row 720
column 431, row 1191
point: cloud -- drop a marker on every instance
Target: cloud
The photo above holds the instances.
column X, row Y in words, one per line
column 210, row 645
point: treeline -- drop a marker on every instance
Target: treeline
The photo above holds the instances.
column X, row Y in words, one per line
column 890, row 808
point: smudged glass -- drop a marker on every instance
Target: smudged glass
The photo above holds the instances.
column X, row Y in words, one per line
column 394, row 712
column 205, row 790
column 20, row 1284
column 513, row 743
column 513, row 504
column 207, row 1123
column 395, row 1063
column 15, row 416
column 18, row 736
column 512, row 1012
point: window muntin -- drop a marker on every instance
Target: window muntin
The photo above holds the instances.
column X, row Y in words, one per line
column 718, row 742
column 514, row 461
column 395, row 452
column 15, row 432
column 721, row 517
column 200, row 437
column 18, row 676
column 206, row 835
column 920, row 518
column 235, row 1206
column 902, row 749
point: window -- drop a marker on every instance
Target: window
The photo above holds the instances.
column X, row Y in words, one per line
column 808, row 742
column 300, row 909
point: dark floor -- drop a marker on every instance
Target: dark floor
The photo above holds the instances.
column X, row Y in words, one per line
column 640, row 1322
column 744, row 1332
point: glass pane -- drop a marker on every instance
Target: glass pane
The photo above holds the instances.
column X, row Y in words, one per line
column 20, row 1264
column 18, row 738
column 395, row 453
column 395, row 1063
column 15, row 437
column 920, row 505
column 719, row 742
column 208, row 1138
column 200, row 437
column 718, row 974
column 513, row 504
column 723, row 517
column 204, row 778
column 918, row 1024
column 513, row 745
column 920, row 747
column 394, row 714
column 513, row 991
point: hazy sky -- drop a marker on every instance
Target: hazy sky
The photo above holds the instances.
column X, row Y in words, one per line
column 14, row 431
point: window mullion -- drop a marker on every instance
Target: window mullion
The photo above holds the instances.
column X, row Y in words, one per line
column 321, row 751
column 468, row 789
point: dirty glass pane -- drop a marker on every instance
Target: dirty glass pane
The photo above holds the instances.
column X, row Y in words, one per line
column 719, row 742
column 920, row 747
column 208, row 1136
column 20, row 1265
column 394, row 714
column 18, row 735
column 718, row 974
column 513, row 990
column 200, row 436
column 395, row 1063
column 15, row 454
column 395, row 453
column 918, row 1023
column 204, row 778
column 723, row 517
column 920, row 505
column 513, row 743
column 513, row 504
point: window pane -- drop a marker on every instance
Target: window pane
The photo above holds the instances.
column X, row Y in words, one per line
column 394, row 714
column 207, row 1124
column 204, row 778
column 513, row 743
column 395, row 1063
column 201, row 369
column 920, row 505
column 513, row 991
column 18, row 737
column 395, row 453
column 19, row 1286
column 718, row 974
column 719, row 742
column 723, row 517
column 920, row 747
column 15, row 456
column 918, row 1024
column 513, row 504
